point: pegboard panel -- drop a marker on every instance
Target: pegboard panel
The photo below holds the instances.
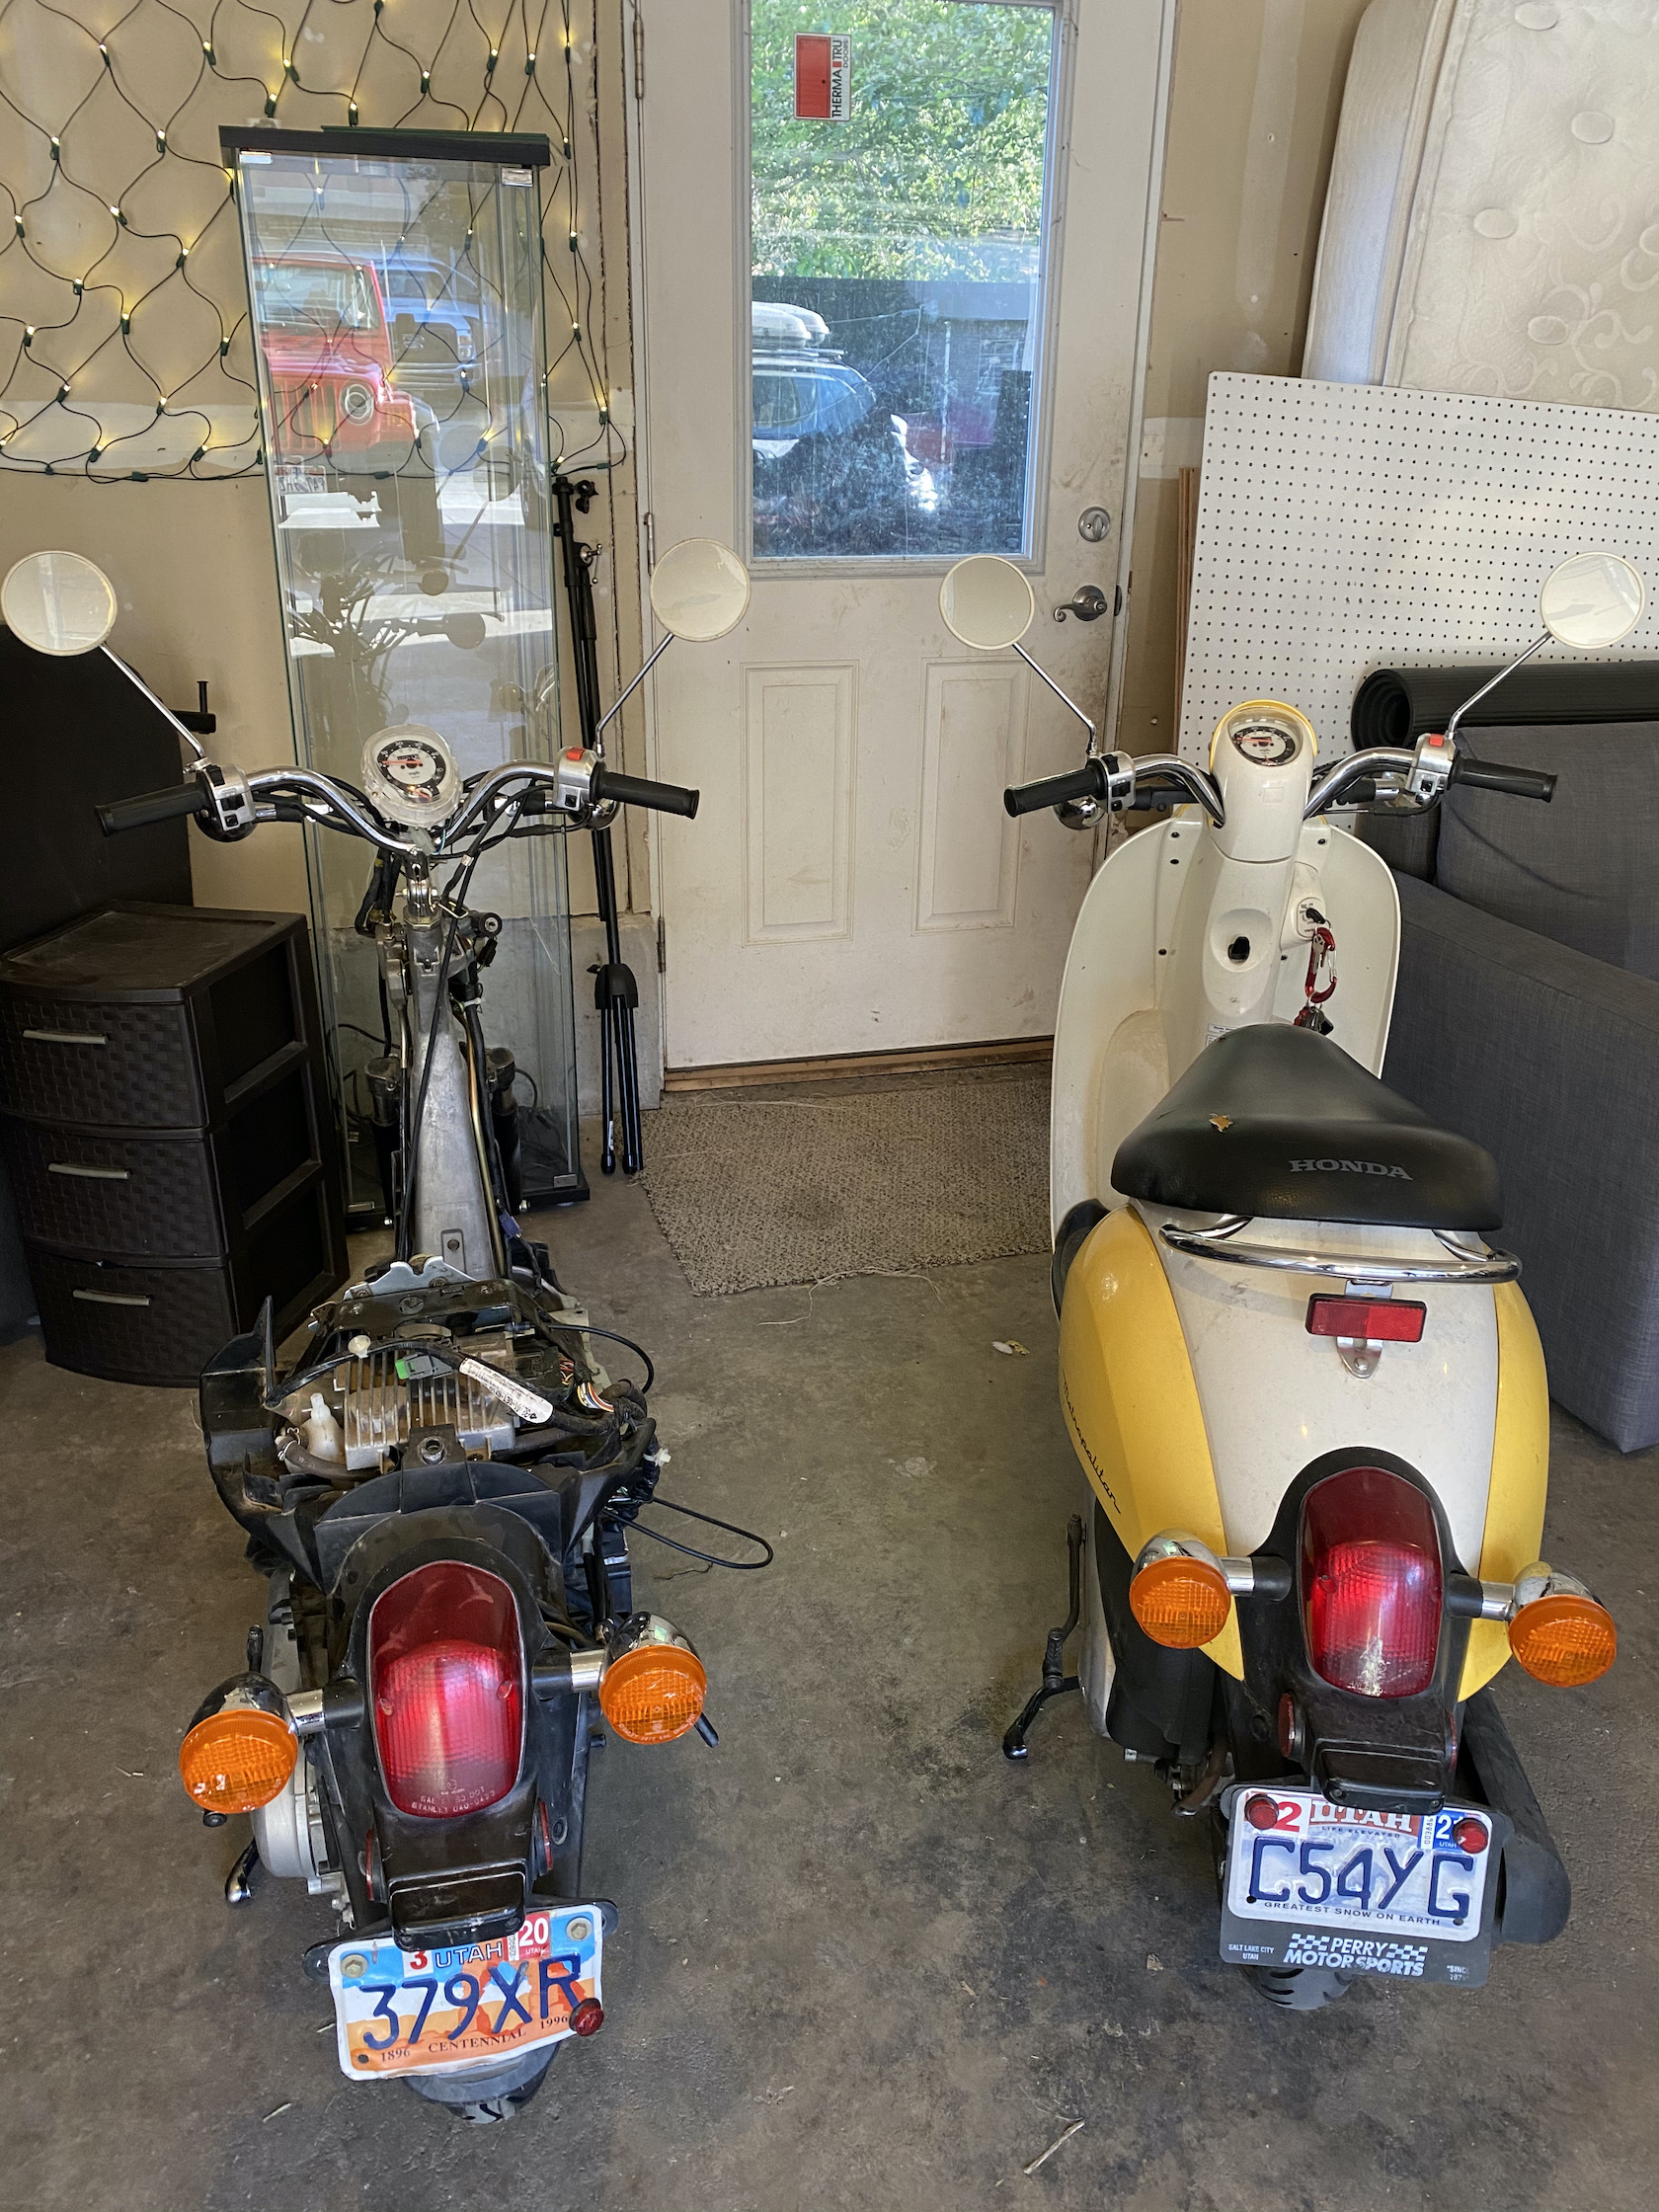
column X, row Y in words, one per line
column 1347, row 527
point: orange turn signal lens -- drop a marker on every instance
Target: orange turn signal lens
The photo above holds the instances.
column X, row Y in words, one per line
column 654, row 1692
column 1565, row 1639
column 237, row 1759
column 1180, row 1602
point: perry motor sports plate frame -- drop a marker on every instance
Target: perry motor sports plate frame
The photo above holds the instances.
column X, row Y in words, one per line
column 400, row 2012
column 1346, row 1941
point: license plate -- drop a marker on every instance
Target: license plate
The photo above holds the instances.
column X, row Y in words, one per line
column 1403, row 1894
column 301, row 482
column 399, row 2011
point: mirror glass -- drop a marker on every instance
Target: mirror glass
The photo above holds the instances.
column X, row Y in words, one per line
column 986, row 602
column 699, row 589
column 1593, row 599
column 59, row 603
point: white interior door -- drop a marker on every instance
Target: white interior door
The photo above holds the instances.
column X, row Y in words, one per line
column 875, row 341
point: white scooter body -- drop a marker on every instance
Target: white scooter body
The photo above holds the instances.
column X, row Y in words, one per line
column 1148, row 982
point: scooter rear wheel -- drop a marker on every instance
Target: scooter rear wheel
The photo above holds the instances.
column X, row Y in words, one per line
column 1299, row 1989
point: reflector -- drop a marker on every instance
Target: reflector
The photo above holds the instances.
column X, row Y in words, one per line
column 236, row 1761
column 446, row 1679
column 1181, row 1603
column 1370, row 1583
column 1377, row 1320
column 654, row 1692
column 1565, row 1639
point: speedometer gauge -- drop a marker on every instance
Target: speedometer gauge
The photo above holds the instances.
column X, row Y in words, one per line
column 410, row 775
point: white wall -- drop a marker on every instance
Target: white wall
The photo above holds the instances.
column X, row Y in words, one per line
column 1252, row 121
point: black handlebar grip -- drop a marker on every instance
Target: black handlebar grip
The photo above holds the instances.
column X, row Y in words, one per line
column 151, row 806
column 1086, row 782
column 640, row 791
column 1491, row 775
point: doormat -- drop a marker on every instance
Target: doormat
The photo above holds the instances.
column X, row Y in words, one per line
column 754, row 1192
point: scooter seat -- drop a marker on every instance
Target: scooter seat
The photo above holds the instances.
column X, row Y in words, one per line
column 1278, row 1122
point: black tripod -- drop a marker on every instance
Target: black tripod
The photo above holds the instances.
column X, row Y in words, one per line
column 616, row 991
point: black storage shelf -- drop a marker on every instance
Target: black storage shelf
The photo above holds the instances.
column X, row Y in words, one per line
column 164, row 1115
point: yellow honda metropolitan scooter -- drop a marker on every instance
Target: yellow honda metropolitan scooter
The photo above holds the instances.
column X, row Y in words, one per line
column 1309, row 1399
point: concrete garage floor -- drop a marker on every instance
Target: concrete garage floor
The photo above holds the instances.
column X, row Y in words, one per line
column 861, row 1962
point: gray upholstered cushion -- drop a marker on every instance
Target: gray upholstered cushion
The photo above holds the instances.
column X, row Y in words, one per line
column 1550, row 1059
column 1406, row 841
column 1583, row 870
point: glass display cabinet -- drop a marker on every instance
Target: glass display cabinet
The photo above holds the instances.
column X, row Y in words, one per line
column 395, row 286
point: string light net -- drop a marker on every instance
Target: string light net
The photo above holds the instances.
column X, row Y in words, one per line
column 124, row 343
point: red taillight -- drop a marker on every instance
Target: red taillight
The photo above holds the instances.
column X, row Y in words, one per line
column 1370, row 1583
column 1375, row 1321
column 446, row 1681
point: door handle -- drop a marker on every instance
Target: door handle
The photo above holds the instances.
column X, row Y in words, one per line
column 1088, row 606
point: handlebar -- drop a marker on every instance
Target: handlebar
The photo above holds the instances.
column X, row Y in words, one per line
column 1114, row 778
column 300, row 794
column 641, row 791
column 1086, row 782
column 1491, row 775
column 150, row 806
column 1353, row 779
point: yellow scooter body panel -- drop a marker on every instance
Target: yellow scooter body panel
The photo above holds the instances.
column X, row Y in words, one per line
column 1131, row 1404
column 1513, row 1537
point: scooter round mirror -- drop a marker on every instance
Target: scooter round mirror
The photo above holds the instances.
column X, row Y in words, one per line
column 986, row 603
column 699, row 589
column 59, row 603
column 1594, row 599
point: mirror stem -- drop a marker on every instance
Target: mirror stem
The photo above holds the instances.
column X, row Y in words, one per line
column 620, row 704
column 166, row 713
column 1475, row 697
column 1059, row 694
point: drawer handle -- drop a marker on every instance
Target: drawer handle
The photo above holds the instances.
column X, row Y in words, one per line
column 65, row 1037
column 92, row 1174
column 107, row 1298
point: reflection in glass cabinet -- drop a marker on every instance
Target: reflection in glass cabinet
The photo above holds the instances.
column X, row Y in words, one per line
column 395, row 286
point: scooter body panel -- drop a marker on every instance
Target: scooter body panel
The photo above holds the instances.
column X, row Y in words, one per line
column 1274, row 1397
column 1512, row 1536
column 1138, row 1003
column 1131, row 1402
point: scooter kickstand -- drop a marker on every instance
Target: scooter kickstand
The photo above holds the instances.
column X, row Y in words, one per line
column 1056, row 1681
column 239, row 1882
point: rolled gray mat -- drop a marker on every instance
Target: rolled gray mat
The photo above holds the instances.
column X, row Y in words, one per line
column 1394, row 706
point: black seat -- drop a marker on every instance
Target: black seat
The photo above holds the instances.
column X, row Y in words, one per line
column 1279, row 1122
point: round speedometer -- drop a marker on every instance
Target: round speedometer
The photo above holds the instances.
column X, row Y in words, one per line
column 1269, row 743
column 410, row 775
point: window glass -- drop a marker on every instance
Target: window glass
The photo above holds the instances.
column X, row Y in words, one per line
column 899, row 152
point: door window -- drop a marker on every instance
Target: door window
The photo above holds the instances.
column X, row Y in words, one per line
column 900, row 165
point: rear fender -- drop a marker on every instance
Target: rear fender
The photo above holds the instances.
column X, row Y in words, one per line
column 1130, row 1403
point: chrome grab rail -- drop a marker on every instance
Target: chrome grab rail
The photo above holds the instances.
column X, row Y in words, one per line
column 1217, row 1245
